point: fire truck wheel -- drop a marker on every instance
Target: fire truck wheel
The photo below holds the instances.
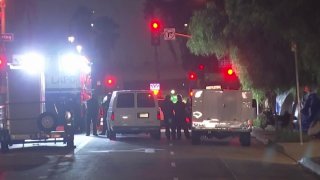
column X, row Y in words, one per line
column 47, row 122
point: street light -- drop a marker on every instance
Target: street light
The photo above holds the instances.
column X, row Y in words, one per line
column 294, row 49
column 79, row 48
column 71, row 39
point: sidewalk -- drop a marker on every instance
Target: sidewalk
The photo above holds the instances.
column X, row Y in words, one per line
column 306, row 153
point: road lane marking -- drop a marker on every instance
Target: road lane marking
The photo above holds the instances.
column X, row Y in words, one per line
column 172, row 153
column 226, row 165
column 143, row 150
column 43, row 177
column 175, row 178
column 170, row 144
column 173, row 164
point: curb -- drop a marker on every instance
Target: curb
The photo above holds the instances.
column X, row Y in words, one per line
column 309, row 164
column 304, row 162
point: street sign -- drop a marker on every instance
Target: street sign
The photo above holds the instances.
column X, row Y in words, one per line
column 7, row 37
column 169, row 33
column 154, row 86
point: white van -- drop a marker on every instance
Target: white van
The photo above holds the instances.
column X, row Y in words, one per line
column 133, row 111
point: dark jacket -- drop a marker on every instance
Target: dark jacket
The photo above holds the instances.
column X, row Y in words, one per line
column 180, row 111
column 167, row 109
column 93, row 107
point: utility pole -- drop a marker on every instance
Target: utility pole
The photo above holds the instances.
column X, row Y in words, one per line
column 295, row 50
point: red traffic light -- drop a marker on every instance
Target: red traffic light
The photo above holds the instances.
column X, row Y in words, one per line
column 192, row 76
column 3, row 61
column 155, row 25
column 110, row 81
column 201, row 67
column 230, row 71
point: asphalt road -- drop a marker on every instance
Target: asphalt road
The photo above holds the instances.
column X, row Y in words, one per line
column 138, row 157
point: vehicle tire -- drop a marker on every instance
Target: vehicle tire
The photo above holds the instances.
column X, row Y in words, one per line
column 47, row 122
column 156, row 135
column 195, row 138
column 4, row 147
column 112, row 135
column 245, row 139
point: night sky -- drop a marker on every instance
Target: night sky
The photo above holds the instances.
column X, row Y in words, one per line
column 48, row 23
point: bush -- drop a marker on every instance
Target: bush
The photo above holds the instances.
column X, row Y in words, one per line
column 260, row 121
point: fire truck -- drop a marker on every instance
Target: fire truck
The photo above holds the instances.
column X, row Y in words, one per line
column 44, row 99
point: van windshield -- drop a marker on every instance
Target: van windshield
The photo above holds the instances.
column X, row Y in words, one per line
column 125, row 100
column 145, row 100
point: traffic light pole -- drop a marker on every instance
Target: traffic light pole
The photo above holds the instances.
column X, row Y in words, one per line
column 156, row 59
column 3, row 50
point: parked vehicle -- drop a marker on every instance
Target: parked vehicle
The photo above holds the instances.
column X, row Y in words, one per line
column 42, row 104
column 133, row 111
column 27, row 119
column 222, row 113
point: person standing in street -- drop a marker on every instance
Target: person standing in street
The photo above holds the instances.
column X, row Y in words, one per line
column 105, row 106
column 189, row 113
column 180, row 117
column 167, row 109
column 92, row 114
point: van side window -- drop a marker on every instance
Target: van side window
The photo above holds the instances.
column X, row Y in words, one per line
column 145, row 100
column 125, row 100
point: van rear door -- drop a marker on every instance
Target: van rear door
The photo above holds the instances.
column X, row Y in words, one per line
column 147, row 109
column 136, row 109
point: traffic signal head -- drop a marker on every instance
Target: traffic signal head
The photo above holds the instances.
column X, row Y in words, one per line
column 3, row 62
column 230, row 71
column 192, row 76
column 155, row 25
column 201, row 67
column 110, row 82
column 155, row 28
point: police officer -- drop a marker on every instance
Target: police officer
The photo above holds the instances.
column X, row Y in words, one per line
column 105, row 106
column 167, row 109
column 180, row 117
column 92, row 114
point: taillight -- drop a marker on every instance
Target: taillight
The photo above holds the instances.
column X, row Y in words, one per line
column 158, row 115
column 112, row 116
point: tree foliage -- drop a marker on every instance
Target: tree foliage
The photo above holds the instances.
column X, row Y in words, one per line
column 257, row 35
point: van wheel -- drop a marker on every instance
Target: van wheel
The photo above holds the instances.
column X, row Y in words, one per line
column 4, row 147
column 47, row 122
column 195, row 138
column 245, row 139
column 156, row 135
column 112, row 135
